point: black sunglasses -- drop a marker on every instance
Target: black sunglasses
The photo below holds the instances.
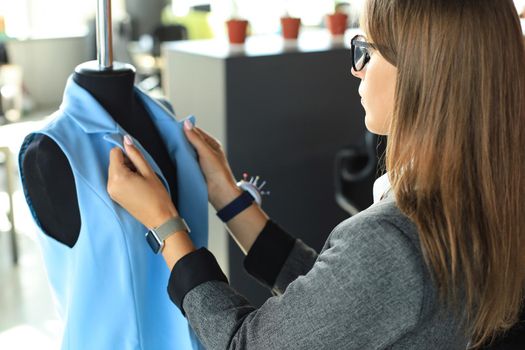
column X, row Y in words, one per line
column 360, row 49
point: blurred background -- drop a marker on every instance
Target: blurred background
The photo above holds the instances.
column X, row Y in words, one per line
column 249, row 95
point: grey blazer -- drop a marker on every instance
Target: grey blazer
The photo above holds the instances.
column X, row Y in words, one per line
column 369, row 288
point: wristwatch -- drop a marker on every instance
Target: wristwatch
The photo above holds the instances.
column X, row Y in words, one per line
column 156, row 236
column 251, row 191
column 235, row 207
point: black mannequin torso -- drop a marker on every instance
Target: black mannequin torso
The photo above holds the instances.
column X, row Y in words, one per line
column 48, row 176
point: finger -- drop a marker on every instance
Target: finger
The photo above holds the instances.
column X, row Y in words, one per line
column 136, row 157
column 116, row 162
column 210, row 140
column 129, row 164
column 116, row 170
column 196, row 139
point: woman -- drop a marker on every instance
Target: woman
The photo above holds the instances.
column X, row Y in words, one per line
column 437, row 263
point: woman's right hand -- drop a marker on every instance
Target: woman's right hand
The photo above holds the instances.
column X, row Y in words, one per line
column 222, row 187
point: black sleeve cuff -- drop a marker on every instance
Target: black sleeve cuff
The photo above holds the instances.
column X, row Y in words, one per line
column 269, row 253
column 190, row 271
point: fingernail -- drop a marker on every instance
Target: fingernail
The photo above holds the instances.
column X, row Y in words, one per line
column 188, row 125
column 128, row 140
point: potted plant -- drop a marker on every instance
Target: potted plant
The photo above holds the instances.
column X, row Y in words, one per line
column 290, row 26
column 337, row 21
column 237, row 26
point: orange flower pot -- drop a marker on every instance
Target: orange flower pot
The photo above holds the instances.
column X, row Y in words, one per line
column 290, row 27
column 337, row 23
column 237, row 29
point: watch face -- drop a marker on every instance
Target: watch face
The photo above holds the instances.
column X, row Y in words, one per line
column 153, row 241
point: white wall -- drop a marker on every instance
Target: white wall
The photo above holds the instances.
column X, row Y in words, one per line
column 191, row 96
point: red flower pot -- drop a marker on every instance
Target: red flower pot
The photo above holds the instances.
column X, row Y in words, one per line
column 237, row 30
column 337, row 23
column 290, row 27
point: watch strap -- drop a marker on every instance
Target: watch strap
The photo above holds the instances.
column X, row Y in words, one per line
column 235, row 207
column 175, row 224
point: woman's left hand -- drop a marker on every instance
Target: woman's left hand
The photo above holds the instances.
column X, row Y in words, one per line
column 136, row 187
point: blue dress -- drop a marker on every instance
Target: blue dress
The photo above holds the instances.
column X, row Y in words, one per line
column 110, row 287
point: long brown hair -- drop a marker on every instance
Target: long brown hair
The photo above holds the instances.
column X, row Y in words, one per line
column 455, row 152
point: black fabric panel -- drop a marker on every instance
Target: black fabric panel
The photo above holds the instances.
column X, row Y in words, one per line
column 190, row 271
column 50, row 185
column 269, row 253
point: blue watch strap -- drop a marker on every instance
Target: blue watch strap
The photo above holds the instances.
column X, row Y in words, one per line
column 235, row 207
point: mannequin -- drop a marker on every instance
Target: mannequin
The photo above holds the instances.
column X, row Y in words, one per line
column 49, row 179
column 109, row 285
